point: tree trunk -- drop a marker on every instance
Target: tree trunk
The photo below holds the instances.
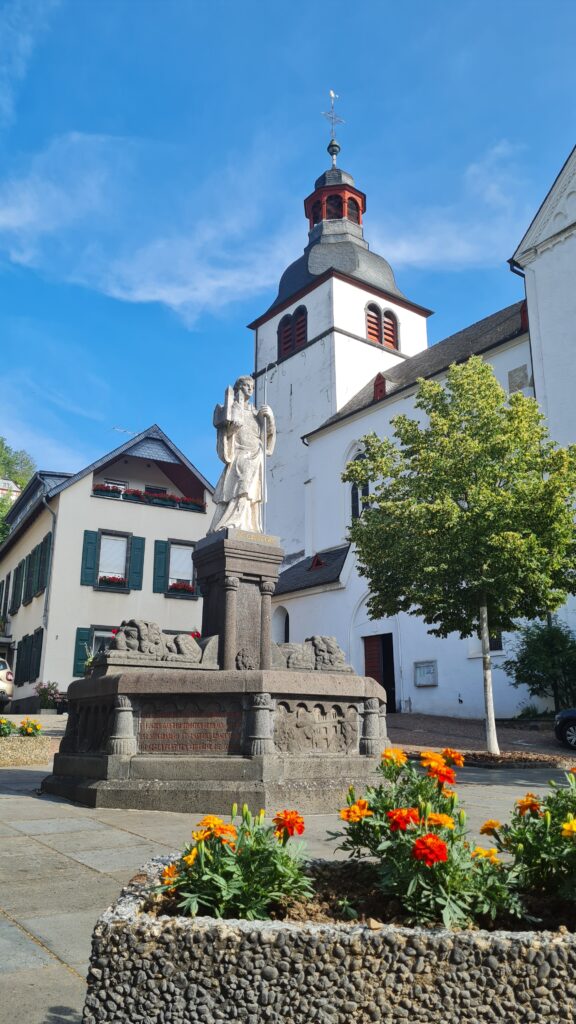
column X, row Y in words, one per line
column 555, row 673
column 491, row 738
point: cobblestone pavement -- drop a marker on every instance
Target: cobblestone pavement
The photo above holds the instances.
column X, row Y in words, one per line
column 61, row 865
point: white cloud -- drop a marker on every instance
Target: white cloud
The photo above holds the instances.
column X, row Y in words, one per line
column 22, row 22
column 480, row 228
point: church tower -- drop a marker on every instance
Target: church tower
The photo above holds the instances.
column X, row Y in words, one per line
column 338, row 320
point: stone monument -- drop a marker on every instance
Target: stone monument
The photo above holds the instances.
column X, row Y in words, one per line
column 175, row 723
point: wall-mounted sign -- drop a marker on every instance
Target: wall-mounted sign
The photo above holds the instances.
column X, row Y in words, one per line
column 425, row 673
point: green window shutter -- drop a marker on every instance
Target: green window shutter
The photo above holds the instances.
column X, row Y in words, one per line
column 1, row 596
column 83, row 637
column 88, row 572
column 27, row 597
column 36, row 654
column 17, row 587
column 24, row 652
column 18, row 669
column 36, row 554
column 44, row 562
column 136, row 566
column 160, row 580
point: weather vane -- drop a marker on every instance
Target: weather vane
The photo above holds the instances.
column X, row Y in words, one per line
column 332, row 116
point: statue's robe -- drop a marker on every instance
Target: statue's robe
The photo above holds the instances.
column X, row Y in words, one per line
column 240, row 445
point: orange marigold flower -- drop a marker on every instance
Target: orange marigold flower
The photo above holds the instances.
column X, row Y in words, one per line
column 490, row 826
column 528, row 804
column 356, row 811
column 288, row 823
column 442, row 774
column 401, row 817
column 394, row 755
column 430, row 759
column 569, row 829
column 227, row 833
column 453, row 757
column 482, row 854
column 442, row 820
column 190, row 857
column 430, row 850
column 448, row 793
column 210, row 821
column 169, row 874
column 202, row 836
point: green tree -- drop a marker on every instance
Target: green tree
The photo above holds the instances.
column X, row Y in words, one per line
column 470, row 523
column 17, row 466
column 545, row 661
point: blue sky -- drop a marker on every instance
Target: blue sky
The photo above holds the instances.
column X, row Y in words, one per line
column 154, row 155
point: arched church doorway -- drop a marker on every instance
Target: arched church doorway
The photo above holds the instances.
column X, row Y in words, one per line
column 374, row 651
column 280, row 626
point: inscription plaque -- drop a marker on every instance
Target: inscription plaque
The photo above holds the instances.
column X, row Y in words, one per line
column 177, row 731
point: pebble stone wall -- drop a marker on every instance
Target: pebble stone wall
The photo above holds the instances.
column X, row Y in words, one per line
column 173, row 970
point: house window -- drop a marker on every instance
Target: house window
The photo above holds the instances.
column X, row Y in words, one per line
column 174, row 569
column 181, row 569
column 150, row 489
column 374, row 323
column 122, row 484
column 112, row 564
column 353, row 211
column 358, row 492
column 292, row 332
column 101, row 640
column 390, row 330
column 334, row 208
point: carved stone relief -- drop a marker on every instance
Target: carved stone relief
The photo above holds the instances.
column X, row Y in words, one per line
column 324, row 727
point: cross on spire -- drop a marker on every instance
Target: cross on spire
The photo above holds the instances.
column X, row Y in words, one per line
column 332, row 116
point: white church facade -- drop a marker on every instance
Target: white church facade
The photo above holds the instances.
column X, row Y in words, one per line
column 338, row 355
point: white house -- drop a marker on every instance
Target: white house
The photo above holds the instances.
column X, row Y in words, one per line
column 338, row 354
column 87, row 550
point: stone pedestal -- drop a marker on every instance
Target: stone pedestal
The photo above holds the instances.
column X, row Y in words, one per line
column 237, row 572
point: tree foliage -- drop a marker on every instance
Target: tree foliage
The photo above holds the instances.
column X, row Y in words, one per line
column 545, row 662
column 471, row 510
column 17, row 466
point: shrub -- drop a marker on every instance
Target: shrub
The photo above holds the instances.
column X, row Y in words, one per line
column 240, row 869
column 6, row 727
column 48, row 693
column 545, row 661
column 29, row 727
column 410, row 822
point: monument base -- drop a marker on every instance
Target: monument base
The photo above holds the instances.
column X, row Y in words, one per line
column 196, row 741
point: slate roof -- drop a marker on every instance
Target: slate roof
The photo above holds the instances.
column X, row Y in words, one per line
column 302, row 576
column 493, row 330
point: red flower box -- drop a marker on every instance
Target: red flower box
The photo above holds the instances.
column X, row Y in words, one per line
column 106, row 489
column 182, row 588
column 112, row 581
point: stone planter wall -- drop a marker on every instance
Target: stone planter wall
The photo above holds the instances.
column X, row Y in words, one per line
column 18, row 750
column 172, row 970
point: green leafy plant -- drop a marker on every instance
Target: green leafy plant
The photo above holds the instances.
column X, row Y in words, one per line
column 410, row 823
column 6, row 727
column 239, row 869
column 469, row 522
column 545, row 662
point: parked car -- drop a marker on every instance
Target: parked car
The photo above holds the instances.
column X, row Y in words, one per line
column 565, row 727
column 6, row 683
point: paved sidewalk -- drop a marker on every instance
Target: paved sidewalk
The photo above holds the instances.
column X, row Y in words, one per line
column 61, row 865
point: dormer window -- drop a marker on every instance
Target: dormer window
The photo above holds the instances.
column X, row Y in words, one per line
column 374, row 323
column 353, row 211
column 390, row 329
column 379, row 387
column 334, row 208
column 293, row 332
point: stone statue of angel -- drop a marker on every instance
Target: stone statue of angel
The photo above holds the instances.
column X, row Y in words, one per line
column 244, row 435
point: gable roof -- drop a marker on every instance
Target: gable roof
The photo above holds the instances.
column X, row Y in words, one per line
column 549, row 208
column 309, row 573
column 493, row 330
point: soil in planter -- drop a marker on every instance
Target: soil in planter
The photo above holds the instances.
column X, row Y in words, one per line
column 348, row 893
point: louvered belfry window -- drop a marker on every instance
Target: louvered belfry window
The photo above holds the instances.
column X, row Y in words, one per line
column 316, row 212
column 334, row 208
column 285, row 337
column 390, row 330
column 353, row 211
column 300, row 318
column 374, row 324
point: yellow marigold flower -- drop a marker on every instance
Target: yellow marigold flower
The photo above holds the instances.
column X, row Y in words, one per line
column 482, row 854
column 490, row 826
column 394, row 755
column 169, row 874
column 202, row 836
column 441, row 820
column 29, row 730
column 430, row 759
column 356, row 811
column 453, row 757
column 569, row 829
column 529, row 803
column 210, row 821
column 190, row 857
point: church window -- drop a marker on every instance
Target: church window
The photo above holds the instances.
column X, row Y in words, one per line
column 292, row 332
column 353, row 211
column 358, row 492
column 390, row 325
column 316, row 212
column 374, row 323
column 334, row 208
